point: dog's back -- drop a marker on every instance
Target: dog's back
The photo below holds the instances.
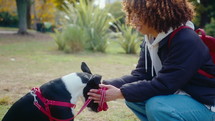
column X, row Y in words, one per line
column 25, row 110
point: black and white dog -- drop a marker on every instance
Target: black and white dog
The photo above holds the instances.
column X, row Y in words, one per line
column 66, row 89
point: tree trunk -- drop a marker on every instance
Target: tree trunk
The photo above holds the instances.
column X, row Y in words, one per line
column 29, row 3
column 22, row 14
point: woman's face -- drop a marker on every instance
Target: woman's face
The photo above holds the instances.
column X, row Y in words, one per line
column 141, row 27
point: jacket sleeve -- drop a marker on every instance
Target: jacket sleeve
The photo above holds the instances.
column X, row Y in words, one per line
column 185, row 56
column 139, row 73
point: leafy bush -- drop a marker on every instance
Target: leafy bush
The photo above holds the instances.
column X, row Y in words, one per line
column 128, row 38
column 74, row 38
column 7, row 20
column 116, row 10
column 71, row 39
column 210, row 28
column 57, row 36
column 94, row 23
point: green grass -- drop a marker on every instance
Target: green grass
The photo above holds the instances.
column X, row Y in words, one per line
column 8, row 28
column 30, row 61
column 3, row 109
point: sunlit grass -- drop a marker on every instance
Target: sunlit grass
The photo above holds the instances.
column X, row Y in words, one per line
column 3, row 109
column 5, row 100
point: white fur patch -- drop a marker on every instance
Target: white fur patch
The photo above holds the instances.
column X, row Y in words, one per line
column 74, row 85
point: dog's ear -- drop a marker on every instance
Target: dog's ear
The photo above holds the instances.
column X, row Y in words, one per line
column 85, row 68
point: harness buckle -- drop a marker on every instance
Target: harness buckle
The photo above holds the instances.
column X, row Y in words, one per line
column 34, row 95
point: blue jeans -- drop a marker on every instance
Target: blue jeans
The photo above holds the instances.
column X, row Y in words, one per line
column 171, row 108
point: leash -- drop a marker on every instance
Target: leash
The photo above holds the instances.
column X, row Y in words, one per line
column 36, row 93
column 102, row 104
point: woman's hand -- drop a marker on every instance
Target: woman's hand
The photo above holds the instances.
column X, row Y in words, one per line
column 112, row 93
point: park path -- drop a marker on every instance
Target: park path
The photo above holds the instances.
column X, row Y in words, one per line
column 34, row 35
column 8, row 31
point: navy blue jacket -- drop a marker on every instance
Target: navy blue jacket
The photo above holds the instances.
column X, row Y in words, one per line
column 180, row 63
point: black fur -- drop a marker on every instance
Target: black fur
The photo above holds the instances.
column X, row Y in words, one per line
column 93, row 83
column 84, row 77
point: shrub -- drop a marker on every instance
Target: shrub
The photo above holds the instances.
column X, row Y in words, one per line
column 128, row 38
column 210, row 28
column 116, row 10
column 8, row 20
column 97, row 31
column 73, row 38
column 94, row 23
column 57, row 36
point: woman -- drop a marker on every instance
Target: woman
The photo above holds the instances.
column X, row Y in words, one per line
column 166, row 85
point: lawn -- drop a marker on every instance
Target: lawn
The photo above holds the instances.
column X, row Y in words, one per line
column 30, row 61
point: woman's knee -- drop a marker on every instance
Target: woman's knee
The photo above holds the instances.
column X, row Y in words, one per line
column 159, row 108
column 156, row 106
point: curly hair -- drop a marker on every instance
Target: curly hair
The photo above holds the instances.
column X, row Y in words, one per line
column 160, row 15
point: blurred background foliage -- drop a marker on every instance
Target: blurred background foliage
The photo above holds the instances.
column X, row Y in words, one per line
column 80, row 25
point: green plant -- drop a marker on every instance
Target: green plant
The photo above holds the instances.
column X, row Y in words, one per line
column 8, row 20
column 115, row 9
column 57, row 36
column 128, row 38
column 73, row 37
column 210, row 28
column 94, row 22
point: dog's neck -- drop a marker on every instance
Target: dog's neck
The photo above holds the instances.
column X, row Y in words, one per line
column 74, row 85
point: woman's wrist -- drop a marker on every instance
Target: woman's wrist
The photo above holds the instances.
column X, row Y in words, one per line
column 120, row 95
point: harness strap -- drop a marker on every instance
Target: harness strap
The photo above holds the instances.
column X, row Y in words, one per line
column 202, row 36
column 175, row 32
column 35, row 92
column 51, row 102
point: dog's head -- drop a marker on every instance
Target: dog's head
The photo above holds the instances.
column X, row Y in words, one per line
column 93, row 83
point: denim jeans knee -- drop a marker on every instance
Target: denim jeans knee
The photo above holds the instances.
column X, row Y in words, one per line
column 176, row 108
column 171, row 108
column 158, row 111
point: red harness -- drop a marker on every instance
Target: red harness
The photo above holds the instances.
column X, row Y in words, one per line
column 36, row 93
